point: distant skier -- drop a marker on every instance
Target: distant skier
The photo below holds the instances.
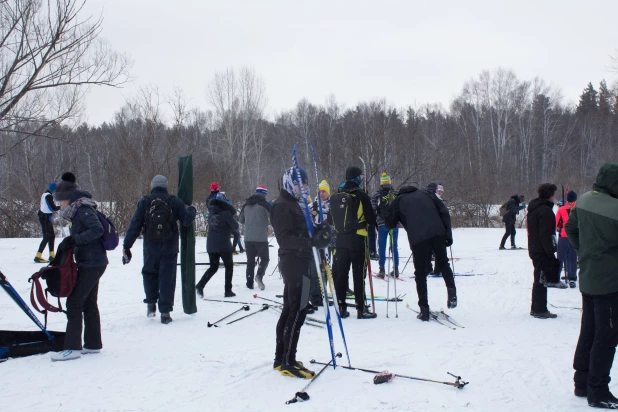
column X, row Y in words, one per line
column 221, row 225
column 315, row 295
column 255, row 215
column 428, row 225
column 295, row 257
column 512, row 208
column 566, row 253
column 351, row 212
column 155, row 218
column 46, row 209
column 541, row 248
column 380, row 202
column 86, row 230
column 593, row 231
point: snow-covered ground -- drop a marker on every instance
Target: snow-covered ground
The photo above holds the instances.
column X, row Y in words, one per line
column 512, row 361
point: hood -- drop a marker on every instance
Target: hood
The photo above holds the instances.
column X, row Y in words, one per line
column 607, row 180
column 79, row 193
column 217, row 206
column 385, row 189
column 538, row 202
column 159, row 190
column 516, row 198
column 348, row 186
column 255, row 199
column 407, row 189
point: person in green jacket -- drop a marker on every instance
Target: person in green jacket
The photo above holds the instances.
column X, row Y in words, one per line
column 592, row 230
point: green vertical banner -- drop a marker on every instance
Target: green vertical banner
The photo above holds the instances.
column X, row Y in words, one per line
column 187, row 237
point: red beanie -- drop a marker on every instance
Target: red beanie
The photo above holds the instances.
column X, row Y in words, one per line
column 214, row 187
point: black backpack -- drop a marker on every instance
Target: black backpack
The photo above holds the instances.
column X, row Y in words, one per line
column 344, row 212
column 159, row 222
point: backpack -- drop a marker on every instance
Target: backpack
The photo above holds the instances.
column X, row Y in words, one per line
column 159, row 222
column 503, row 210
column 344, row 212
column 61, row 277
column 110, row 235
column 384, row 202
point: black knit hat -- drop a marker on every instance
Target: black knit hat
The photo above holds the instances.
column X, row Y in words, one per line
column 353, row 172
column 65, row 187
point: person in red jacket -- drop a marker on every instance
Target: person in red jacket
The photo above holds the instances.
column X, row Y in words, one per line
column 566, row 253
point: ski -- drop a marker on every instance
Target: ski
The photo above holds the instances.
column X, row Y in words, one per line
column 433, row 316
column 447, row 318
column 566, row 307
column 375, row 275
column 308, row 321
column 373, row 309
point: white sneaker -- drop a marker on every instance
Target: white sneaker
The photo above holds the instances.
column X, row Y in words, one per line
column 86, row 351
column 65, row 355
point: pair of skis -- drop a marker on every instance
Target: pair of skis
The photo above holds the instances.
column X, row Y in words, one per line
column 440, row 317
column 319, row 258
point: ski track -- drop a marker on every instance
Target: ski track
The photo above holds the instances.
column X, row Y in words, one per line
column 512, row 361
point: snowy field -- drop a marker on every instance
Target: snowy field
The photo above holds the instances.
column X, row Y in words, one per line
column 512, row 361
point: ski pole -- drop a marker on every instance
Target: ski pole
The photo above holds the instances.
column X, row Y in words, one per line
column 459, row 383
column 406, row 265
column 275, row 269
column 390, row 251
column 264, row 307
column 232, row 301
column 304, row 396
column 373, row 306
column 245, row 307
column 269, row 300
column 388, row 274
column 453, row 262
column 308, row 321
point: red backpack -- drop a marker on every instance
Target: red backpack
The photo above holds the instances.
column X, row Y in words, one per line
column 61, row 277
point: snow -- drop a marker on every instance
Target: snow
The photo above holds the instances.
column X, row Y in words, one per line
column 512, row 361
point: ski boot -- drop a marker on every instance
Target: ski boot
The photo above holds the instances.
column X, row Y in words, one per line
column 151, row 310
column 229, row 294
column 374, row 256
column 166, row 318
column 395, row 272
column 343, row 313
column 365, row 314
column 296, row 372
column 200, row 292
column 39, row 259
column 452, row 298
column 277, row 364
column 382, row 272
column 424, row 314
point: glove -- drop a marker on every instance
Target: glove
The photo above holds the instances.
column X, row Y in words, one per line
column 321, row 239
column 449, row 241
column 126, row 256
column 67, row 243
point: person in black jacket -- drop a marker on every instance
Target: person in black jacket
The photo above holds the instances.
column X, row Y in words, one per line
column 86, row 230
column 351, row 247
column 46, row 209
column 295, row 258
column 155, row 217
column 221, row 225
column 513, row 206
column 428, row 224
column 541, row 225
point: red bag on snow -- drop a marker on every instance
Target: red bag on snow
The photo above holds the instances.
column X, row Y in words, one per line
column 61, row 277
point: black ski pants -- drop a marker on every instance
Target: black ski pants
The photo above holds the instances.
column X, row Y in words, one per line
column 159, row 275
column 47, row 228
column 509, row 231
column 422, row 260
column 295, row 272
column 344, row 257
column 82, row 305
column 596, row 346
column 539, row 290
column 568, row 258
column 228, row 263
column 255, row 250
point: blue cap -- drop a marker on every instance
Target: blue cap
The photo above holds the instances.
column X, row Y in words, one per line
column 52, row 187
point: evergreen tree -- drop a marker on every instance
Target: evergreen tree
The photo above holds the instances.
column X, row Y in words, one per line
column 588, row 101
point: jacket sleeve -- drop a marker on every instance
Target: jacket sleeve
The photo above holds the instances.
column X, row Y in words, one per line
column 547, row 230
column 283, row 224
column 137, row 222
column 572, row 229
column 444, row 215
column 231, row 222
column 374, row 201
column 370, row 215
column 94, row 229
column 50, row 202
column 391, row 216
column 241, row 218
column 185, row 215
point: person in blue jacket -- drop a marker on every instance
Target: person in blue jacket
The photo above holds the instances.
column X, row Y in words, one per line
column 155, row 217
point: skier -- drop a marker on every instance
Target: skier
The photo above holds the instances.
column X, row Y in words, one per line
column 315, row 297
column 46, row 209
column 351, row 212
column 295, row 257
column 428, row 224
column 221, row 224
column 155, row 217
column 380, row 202
column 86, row 230
column 541, row 247
column 592, row 232
column 255, row 215
column 566, row 253
column 513, row 206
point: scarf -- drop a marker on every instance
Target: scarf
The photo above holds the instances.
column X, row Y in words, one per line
column 67, row 214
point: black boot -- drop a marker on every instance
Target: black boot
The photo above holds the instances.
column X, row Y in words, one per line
column 606, row 402
column 424, row 315
column 452, row 298
column 365, row 314
column 166, row 318
column 152, row 310
column 382, row 272
column 200, row 291
column 343, row 312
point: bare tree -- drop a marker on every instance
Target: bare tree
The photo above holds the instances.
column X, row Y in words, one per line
column 49, row 55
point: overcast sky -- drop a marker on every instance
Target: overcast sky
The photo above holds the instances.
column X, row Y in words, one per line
column 409, row 52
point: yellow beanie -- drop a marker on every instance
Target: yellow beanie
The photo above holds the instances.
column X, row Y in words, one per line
column 385, row 179
column 324, row 186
